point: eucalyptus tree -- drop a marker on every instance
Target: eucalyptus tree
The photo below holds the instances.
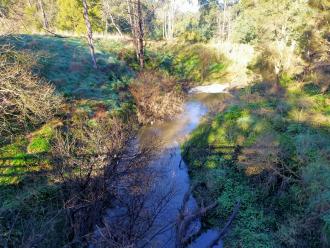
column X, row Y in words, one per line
column 89, row 32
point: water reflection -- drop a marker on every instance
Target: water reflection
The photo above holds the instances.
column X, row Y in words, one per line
column 167, row 173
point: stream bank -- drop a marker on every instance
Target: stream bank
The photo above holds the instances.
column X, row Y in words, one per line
column 167, row 174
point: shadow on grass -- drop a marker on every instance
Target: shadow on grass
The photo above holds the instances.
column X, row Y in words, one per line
column 293, row 189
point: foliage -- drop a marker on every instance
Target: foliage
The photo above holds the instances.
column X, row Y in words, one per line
column 157, row 97
column 279, row 173
column 196, row 63
column 208, row 18
column 32, row 198
column 70, row 16
column 258, row 21
column 66, row 64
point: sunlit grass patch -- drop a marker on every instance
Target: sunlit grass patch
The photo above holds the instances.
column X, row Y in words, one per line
column 26, row 156
column 66, row 63
column 15, row 162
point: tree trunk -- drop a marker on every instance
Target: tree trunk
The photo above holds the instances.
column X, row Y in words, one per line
column 106, row 26
column 171, row 20
column 136, row 18
column 164, row 24
column 89, row 33
column 224, row 21
column 140, row 34
column 43, row 13
column 115, row 25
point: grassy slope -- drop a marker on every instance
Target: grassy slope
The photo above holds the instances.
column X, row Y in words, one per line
column 288, row 128
column 66, row 63
column 29, row 198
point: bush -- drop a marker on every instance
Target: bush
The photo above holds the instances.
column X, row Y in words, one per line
column 192, row 36
column 25, row 100
column 195, row 63
column 276, row 59
column 199, row 63
column 157, row 96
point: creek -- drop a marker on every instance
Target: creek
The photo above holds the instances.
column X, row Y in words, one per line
column 170, row 173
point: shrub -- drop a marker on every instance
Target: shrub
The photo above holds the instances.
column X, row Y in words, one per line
column 276, row 59
column 84, row 156
column 192, row 36
column 25, row 100
column 199, row 63
column 157, row 96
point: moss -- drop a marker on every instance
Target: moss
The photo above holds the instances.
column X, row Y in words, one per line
column 24, row 156
column 40, row 140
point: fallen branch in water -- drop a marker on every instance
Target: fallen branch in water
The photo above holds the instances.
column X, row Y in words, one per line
column 185, row 219
column 226, row 227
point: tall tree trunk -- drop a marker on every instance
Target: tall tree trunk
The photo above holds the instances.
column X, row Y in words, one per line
column 171, row 19
column 166, row 25
column 106, row 28
column 43, row 13
column 132, row 22
column 140, row 39
column 136, row 19
column 224, row 20
column 89, row 33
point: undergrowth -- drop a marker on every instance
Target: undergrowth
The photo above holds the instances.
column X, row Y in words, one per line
column 268, row 151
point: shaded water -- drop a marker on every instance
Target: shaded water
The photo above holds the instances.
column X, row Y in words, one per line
column 174, row 170
column 172, row 173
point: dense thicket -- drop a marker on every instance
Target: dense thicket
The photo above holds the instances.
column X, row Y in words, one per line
column 26, row 100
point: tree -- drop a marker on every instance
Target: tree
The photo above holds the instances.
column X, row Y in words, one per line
column 43, row 13
column 108, row 10
column 168, row 15
column 89, row 33
column 137, row 26
column 209, row 10
column 70, row 16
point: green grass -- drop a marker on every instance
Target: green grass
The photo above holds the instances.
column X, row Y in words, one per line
column 274, row 212
column 197, row 63
column 67, row 64
column 26, row 157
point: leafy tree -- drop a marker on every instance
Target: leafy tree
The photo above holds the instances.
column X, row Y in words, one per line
column 70, row 15
column 209, row 10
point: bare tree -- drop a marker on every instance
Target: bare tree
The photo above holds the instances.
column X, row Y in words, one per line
column 168, row 19
column 89, row 33
column 108, row 14
column 137, row 26
column 43, row 13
